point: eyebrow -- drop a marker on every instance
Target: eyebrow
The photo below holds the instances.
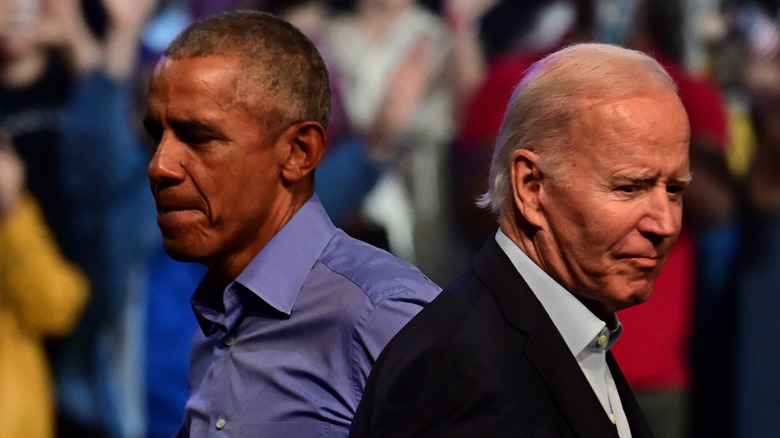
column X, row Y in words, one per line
column 195, row 126
column 685, row 179
column 639, row 178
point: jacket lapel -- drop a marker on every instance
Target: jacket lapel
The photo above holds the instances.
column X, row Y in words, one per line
column 545, row 347
column 636, row 419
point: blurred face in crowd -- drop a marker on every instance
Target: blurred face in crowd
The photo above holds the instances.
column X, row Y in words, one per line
column 615, row 210
column 215, row 172
column 20, row 22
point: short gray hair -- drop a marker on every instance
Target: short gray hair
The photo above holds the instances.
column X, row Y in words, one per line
column 547, row 102
column 276, row 57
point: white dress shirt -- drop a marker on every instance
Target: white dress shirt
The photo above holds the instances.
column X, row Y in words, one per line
column 585, row 334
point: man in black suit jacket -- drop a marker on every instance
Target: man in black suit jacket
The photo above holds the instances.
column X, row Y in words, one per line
column 586, row 181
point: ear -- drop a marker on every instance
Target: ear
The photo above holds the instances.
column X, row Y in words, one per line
column 304, row 144
column 526, row 186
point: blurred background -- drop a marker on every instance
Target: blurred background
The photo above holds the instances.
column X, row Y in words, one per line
column 95, row 323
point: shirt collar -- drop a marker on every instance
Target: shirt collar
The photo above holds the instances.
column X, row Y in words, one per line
column 277, row 272
column 578, row 326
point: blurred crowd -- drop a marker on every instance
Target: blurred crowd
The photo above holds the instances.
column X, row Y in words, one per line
column 95, row 322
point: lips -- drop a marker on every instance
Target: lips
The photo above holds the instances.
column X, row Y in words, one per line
column 168, row 202
column 163, row 208
column 644, row 261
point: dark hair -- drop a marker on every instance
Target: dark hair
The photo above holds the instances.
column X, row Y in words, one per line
column 276, row 57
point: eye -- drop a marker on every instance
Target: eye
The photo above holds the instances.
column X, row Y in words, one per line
column 675, row 190
column 153, row 130
column 195, row 138
column 196, row 134
column 626, row 189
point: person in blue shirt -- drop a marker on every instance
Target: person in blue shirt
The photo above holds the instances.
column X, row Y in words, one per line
column 292, row 312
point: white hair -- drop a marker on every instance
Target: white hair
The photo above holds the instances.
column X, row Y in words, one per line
column 547, row 102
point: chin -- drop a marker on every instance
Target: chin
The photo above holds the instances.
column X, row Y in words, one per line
column 180, row 251
column 638, row 296
column 180, row 256
column 630, row 297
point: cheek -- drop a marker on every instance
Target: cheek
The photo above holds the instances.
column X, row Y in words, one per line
column 608, row 228
column 225, row 184
column 602, row 234
column 586, row 224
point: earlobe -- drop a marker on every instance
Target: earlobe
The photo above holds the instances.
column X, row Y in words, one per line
column 306, row 143
column 526, row 186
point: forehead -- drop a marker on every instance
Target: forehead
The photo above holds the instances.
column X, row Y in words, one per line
column 206, row 80
column 657, row 119
column 634, row 128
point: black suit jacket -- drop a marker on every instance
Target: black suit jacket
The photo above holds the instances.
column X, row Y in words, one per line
column 485, row 360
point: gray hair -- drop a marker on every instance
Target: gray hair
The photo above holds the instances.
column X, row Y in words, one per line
column 276, row 58
column 546, row 104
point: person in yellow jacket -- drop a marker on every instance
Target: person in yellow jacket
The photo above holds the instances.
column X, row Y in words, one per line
column 41, row 295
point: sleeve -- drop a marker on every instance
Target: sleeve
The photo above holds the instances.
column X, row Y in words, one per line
column 47, row 292
column 382, row 323
column 384, row 320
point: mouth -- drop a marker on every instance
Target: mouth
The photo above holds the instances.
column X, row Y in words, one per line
column 171, row 203
column 162, row 209
column 171, row 217
column 644, row 261
column 170, row 199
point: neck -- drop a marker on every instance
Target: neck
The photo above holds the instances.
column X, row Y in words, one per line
column 526, row 237
column 597, row 308
column 522, row 234
column 230, row 265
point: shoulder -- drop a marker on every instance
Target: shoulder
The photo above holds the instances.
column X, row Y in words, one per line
column 376, row 293
column 375, row 272
column 470, row 318
column 457, row 367
column 464, row 316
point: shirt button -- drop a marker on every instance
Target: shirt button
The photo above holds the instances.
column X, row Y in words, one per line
column 602, row 340
column 230, row 340
column 220, row 423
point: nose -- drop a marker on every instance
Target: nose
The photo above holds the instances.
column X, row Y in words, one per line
column 167, row 163
column 663, row 216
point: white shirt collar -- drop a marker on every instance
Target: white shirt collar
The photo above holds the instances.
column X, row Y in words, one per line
column 577, row 325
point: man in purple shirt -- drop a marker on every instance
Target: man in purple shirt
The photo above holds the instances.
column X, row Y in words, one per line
column 292, row 312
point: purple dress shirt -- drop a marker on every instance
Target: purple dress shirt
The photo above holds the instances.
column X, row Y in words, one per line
column 286, row 350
